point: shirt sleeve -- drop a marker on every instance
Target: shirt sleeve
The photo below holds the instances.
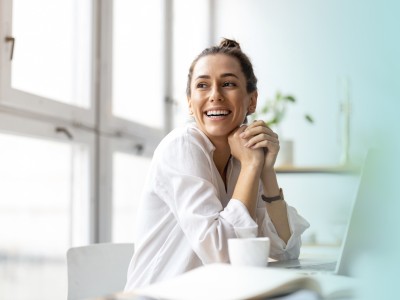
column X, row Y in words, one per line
column 184, row 180
column 279, row 249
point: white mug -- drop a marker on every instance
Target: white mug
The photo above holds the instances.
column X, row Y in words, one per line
column 249, row 251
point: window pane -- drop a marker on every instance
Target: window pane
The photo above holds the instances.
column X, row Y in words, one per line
column 52, row 49
column 187, row 24
column 37, row 197
column 137, row 82
column 129, row 175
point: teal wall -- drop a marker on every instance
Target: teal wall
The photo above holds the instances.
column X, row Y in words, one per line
column 308, row 48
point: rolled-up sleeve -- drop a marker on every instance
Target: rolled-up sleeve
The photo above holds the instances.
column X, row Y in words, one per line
column 279, row 249
column 237, row 214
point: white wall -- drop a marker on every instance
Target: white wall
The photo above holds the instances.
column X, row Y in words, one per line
column 307, row 48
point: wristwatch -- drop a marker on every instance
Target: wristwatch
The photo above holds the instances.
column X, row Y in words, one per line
column 273, row 198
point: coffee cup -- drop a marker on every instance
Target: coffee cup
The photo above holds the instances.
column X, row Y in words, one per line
column 249, row 251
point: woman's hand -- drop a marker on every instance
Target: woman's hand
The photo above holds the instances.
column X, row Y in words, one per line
column 246, row 155
column 251, row 168
column 259, row 136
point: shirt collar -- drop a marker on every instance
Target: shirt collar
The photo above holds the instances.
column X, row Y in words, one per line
column 209, row 145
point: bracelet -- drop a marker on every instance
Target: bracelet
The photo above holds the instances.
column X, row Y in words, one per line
column 274, row 198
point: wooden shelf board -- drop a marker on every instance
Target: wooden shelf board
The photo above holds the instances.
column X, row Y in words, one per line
column 318, row 169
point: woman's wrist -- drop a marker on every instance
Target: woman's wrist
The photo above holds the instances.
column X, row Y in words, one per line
column 252, row 166
column 268, row 171
column 270, row 182
column 251, row 169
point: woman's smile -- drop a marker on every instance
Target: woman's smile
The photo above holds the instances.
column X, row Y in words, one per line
column 217, row 114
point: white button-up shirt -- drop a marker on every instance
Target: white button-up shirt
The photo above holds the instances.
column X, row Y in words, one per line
column 187, row 214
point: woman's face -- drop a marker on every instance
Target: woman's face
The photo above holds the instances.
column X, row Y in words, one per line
column 219, row 100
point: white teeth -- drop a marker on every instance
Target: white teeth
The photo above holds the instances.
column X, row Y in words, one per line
column 217, row 112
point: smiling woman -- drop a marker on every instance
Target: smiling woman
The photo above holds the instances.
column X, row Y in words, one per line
column 213, row 179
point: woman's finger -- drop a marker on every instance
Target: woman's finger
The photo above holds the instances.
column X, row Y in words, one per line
column 272, row 147
column 257, row 127
column 261, row 137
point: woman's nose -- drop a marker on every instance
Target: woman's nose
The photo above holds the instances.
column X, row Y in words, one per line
column 216, row 95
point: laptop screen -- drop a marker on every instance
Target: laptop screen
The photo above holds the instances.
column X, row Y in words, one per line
column 364, row 231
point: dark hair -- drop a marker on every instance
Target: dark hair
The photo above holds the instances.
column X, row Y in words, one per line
column 230, row 48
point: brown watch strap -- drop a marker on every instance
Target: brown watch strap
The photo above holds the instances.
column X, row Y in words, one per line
column 273, row 198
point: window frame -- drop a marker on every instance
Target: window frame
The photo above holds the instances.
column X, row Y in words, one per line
column 116, row 126
column 20, row 100
column 17, row 125
column 105, row 130
column 109, row 145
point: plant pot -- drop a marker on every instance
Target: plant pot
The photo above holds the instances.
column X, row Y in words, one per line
column 285, row 155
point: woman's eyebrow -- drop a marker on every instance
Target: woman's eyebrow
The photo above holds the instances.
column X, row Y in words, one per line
column 203, row 77
column 223, row 75
column 229, row 75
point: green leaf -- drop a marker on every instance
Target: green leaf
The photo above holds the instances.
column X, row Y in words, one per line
column 290, row 98
column 279, row 116
column 309, row 118
column 271, row 122
column 264, row 110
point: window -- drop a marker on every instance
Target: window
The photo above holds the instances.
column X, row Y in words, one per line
column 48, row 59
column 82, row 107
column 129, row 175
column 124, row 167
column 133, row 84
column 137, row 58
column 83, row 104
column 44, row 207
column 53, row 61
column 188, row 24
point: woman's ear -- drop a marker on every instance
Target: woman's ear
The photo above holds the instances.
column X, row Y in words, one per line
column 189, row 105
column 252, row 103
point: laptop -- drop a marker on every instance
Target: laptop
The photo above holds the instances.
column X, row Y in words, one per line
column 354, row 240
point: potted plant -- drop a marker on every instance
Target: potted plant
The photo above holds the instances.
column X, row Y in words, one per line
column 273, row 113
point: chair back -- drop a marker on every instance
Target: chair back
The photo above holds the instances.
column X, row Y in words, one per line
column 97, row 269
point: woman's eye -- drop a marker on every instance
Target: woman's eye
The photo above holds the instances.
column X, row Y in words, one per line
column 228, row 83
column 201, row 85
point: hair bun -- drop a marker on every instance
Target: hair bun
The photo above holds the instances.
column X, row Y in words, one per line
column 227, row 43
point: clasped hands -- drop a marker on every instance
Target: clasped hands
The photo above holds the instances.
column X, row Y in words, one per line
column 255, row 143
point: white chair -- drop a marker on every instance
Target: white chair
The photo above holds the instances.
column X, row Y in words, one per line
column 98, row 269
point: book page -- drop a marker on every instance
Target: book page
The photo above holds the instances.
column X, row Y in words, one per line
column 226, row 282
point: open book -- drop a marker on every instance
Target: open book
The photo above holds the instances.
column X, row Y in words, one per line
column 227, row 282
